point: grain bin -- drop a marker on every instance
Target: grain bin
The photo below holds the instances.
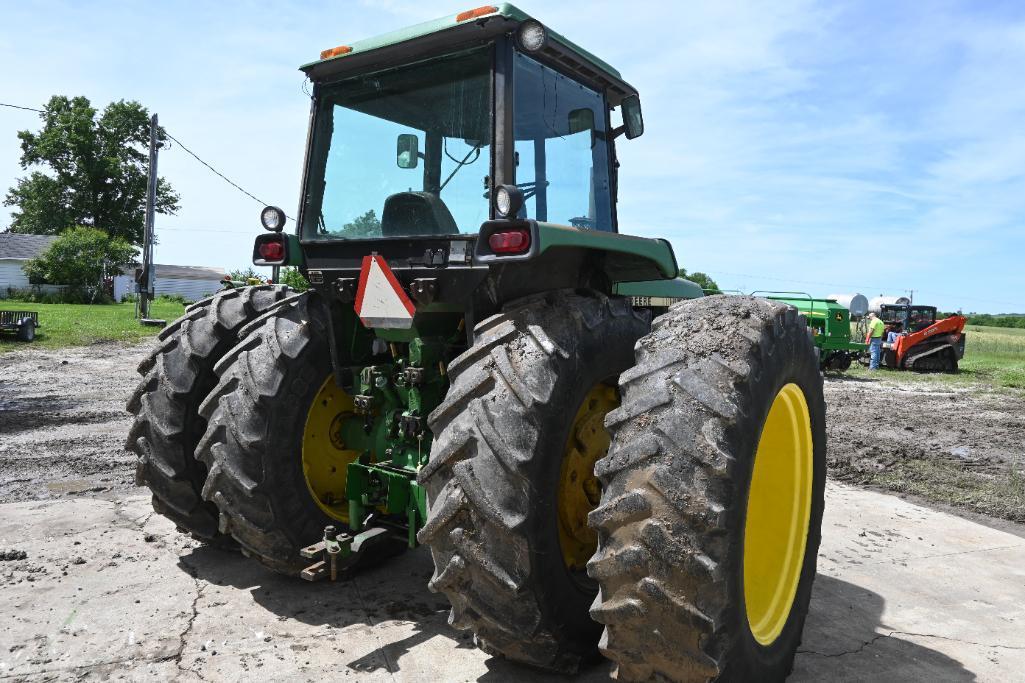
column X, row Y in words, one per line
column 876, row 304
column 856, row 303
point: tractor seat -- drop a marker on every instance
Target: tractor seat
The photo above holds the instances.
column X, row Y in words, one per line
column 416, row 213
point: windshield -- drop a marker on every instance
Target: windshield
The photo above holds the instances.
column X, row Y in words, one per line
column 922, row 317
column 404, row 152
column 562, row 157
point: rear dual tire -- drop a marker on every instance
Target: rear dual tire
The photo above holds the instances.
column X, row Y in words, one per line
column 176, row 377
column 696, row 496
column 495, row 473
column 691, row 497
column 254, row 435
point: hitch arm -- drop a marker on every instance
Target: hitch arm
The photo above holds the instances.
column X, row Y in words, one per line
column 338, row 551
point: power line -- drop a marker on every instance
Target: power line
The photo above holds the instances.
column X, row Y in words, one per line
column 15, row 106
column 803, row 282
column 224, row 177
column 233, row 232
column 869, row 289
column 189, row 151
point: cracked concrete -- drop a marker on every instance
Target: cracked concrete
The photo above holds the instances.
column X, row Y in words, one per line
column 911, row 593
column 904, row 593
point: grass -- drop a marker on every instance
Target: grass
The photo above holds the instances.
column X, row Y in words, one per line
column 994, row 363
column 81, row 324
column 997, row 353
column 998, row 494
column 994, row 356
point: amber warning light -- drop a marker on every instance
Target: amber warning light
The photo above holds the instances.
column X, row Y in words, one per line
column 474, row 13
column 335, row 51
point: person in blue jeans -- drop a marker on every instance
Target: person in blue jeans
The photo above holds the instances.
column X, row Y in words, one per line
column 893, row 335
column 875, row 340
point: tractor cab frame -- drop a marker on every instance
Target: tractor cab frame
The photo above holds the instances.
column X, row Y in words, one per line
column 464, row 150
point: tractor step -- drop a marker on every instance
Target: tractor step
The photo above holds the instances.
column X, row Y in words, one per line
column 338, row 551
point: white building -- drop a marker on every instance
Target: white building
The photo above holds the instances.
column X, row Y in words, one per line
column 191, row 282
column 15, row 250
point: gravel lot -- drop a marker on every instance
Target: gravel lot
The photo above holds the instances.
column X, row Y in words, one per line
column 63, row 423
column 99, row 587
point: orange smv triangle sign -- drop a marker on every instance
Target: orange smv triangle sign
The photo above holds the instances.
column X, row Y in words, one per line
column 380, row 300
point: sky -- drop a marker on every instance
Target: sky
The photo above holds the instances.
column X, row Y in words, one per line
column 825, row 147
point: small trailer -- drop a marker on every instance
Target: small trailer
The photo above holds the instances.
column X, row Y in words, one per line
column 22, row 323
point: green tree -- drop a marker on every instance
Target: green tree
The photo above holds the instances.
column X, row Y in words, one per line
column 244, row 275
column 366, row 225
column 699, row 278
column 293, row 278
column 81, row 258
column 95, row 171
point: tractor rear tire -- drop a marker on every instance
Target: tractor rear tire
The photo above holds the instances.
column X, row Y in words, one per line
column 676, row 597
column 176, row 377
column 254, row 436
column 493, row 479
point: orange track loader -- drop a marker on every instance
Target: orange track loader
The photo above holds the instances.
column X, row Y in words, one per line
column 916, row 340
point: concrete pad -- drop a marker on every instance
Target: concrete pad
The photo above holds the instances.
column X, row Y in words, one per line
column 907, row 592
column 904, row 593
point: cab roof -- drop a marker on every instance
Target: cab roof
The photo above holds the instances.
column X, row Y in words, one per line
column 481, row 24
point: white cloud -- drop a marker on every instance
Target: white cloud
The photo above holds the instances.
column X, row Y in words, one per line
column 860, row 143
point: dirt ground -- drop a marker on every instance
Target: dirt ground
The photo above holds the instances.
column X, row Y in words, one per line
column 63, row 422
column 958, row 444
column 99, row 587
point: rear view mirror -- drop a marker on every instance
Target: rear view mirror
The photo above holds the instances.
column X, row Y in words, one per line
column 407, row 153
column 633, row 121
column 581, row 120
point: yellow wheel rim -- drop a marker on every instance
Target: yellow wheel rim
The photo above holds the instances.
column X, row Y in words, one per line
column 325, row 456
column 778, row 513
column 579, row 490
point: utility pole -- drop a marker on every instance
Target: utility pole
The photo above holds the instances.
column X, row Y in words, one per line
column 145, row 284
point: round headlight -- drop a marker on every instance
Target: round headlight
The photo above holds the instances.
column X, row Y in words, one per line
column 532, row 36
column 503, row 200
column 508, row 201
column 273, row 219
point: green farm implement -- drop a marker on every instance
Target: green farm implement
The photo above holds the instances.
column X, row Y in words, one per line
column 830, row 324
column 601, row 460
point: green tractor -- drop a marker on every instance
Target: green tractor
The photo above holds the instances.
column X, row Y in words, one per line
column 600, row 460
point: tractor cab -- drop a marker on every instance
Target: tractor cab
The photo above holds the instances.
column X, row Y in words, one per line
column 464, row 143
column 411, row 137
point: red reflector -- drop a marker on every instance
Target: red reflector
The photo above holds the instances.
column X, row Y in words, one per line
column 474, row 13
column 512, row 242
column 272, row 251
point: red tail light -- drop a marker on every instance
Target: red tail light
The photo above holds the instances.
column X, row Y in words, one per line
column 510, row 242
column 272, row 251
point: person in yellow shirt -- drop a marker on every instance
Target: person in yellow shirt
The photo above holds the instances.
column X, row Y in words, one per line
column 874, row 339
